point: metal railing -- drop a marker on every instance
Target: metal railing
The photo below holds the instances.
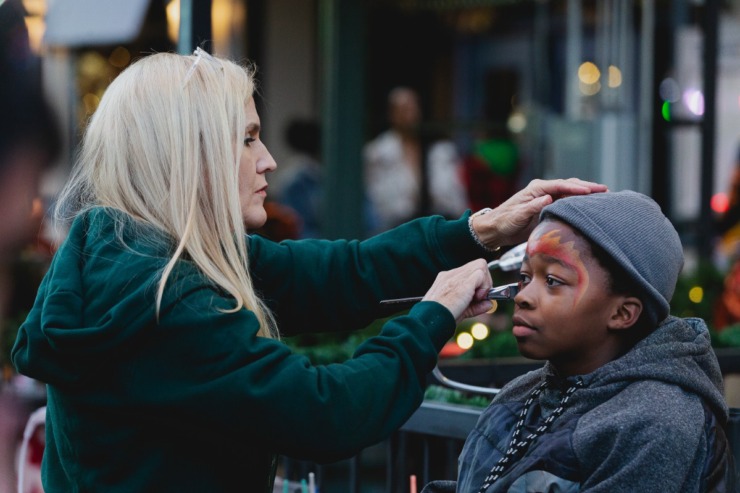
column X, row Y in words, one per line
column 429, row 443
column 426, row 446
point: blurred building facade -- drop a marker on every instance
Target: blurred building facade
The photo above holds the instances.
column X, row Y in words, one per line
column 636, row 94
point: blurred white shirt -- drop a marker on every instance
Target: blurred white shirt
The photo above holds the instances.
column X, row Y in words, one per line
column 394, row 192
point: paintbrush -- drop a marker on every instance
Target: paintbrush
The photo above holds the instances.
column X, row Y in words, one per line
column 511, row 260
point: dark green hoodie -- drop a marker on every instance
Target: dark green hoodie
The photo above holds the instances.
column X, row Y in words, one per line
column 199, row 402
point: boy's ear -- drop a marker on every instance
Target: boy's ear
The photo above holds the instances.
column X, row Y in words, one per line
column 626, row 314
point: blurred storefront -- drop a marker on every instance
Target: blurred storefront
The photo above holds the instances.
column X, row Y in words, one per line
column 636, row 94
column 640, row 94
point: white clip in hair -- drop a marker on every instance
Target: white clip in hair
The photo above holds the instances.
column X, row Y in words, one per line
column 199, row 55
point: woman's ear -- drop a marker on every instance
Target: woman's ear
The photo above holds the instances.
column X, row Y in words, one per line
column 626, row 313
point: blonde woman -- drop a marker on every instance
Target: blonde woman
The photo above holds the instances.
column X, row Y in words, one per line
column 156, row 327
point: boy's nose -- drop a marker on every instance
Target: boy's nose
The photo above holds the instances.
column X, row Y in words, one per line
column 523, row 297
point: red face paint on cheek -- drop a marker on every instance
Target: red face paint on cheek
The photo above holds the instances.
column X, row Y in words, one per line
column 551, row 244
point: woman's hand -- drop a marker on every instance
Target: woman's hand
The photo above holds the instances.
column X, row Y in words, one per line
column 511, row 222
column 463, row 290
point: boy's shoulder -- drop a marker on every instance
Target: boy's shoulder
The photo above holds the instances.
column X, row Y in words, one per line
column 651, row 420
column 642, row 412
column 650, row 405
column 647, row 400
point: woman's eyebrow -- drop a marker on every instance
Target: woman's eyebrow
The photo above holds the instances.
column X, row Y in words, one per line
column 253, row 128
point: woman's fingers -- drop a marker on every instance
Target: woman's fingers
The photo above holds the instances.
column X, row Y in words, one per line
column 512, row 221
column 462, row 290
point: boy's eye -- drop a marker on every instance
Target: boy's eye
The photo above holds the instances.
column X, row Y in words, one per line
column 551, row 281
column 248, row 140
column 523, row 279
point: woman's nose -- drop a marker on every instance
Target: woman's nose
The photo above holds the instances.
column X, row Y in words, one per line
column 266, row 163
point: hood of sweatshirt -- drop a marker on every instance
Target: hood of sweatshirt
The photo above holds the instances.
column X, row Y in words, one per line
column 94, row 302
column 678, row 352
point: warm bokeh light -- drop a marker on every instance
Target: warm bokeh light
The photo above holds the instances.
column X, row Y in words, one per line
column 36, row 27
column 615, row 76
column 37, row 207
column 720, row 203
column 228, row 18
column 696, row 294
column 517, row 122
column 480, row 331
column 120, row 57
column 229, row 23
column 588, row 73
column 173, row 20
column 464, row 340
column 35, row 23
column 90, row 101
column 35, row 7
column 588, row 79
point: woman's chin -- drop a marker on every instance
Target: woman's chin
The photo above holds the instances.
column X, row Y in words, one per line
column 255, row 220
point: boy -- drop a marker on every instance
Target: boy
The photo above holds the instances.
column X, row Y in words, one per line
column 630, row 398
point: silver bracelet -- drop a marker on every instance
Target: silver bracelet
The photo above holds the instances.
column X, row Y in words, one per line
column 475, row 235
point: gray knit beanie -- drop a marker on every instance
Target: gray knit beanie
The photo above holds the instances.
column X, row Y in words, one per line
column 631, row 228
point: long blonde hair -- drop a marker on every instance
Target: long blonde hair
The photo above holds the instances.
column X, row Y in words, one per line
column 164, row 147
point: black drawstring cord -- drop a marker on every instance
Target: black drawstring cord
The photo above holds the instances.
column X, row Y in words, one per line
column 517, row 446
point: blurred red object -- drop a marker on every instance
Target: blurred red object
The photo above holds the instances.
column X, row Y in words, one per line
column 451, row 350
column 283, row 223
column 727, row 308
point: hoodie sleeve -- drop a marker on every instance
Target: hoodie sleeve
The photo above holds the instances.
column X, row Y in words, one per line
column 648, row 438
column 340, row 283
column 202, row 369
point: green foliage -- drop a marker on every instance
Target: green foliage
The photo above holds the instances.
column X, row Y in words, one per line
column 326, row 348
column 331, row 348
column 497, row 345
column 710, row 279
column 501, row 343
column 438, row 393
column 728, row 337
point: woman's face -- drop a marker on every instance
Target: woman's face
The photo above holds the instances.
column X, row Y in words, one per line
column 255, row 162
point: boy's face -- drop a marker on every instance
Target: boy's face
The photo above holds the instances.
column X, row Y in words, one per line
column 564, row 304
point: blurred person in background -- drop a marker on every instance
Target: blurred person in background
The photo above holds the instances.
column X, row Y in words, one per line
column 298, row 184
column 407, row 173
column 163, row 364
column 29, row 143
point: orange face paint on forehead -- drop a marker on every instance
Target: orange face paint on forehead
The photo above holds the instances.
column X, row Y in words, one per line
column 547, row 239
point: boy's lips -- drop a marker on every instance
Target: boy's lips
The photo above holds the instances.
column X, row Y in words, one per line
column 522, row 328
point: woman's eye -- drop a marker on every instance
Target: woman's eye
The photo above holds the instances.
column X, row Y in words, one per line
column 249, row 140
column 523, row 279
